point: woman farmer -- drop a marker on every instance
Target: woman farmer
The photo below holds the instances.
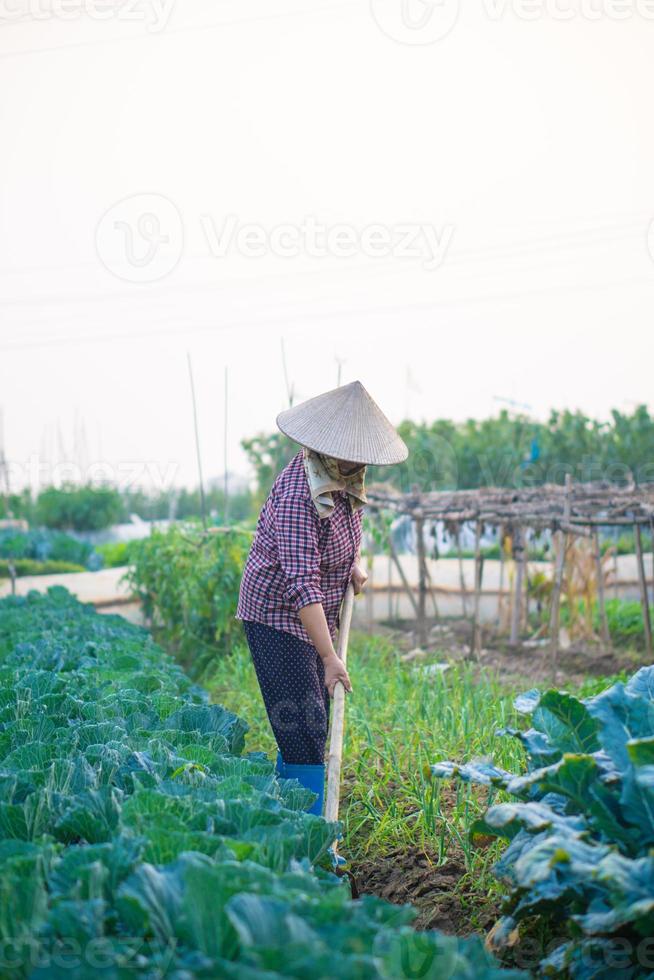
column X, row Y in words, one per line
column 304, row 554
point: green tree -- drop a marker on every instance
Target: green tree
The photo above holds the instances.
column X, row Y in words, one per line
column 505, row 451
column 85, row 508
column 268, row 455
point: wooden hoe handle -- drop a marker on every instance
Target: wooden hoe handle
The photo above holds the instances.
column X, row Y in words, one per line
column 338, row 714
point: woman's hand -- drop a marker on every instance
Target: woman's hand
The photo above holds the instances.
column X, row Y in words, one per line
column 314, row 622
column 359, row 579
column 335, row 671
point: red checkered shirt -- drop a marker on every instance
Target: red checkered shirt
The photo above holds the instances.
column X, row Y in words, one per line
column 296, row 557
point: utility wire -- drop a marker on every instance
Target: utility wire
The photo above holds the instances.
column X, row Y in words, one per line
column 285, row 318
column 460, row 258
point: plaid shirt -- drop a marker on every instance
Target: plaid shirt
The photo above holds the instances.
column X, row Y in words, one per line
column 296, row 558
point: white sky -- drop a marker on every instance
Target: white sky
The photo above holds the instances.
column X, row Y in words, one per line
column 526, row 146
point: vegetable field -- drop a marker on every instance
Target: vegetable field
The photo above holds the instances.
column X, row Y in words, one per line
column 137, row 838
column 52, row 550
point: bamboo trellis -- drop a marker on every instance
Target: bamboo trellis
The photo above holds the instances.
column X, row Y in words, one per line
column 566, row 511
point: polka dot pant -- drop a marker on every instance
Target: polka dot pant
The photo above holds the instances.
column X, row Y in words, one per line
column 292, row 681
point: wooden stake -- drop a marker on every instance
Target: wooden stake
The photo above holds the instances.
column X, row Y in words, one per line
column 405, row 582
column 461, row 575
column 335, row 757
column 601, row 598
column 432, row 593
column 555, row 612
column 500, row 599
column 475, row 647
column 524, row 619
column 422, row 584
column 516, row 611
column 644, row 597
column 369, row 592
column 390, row 591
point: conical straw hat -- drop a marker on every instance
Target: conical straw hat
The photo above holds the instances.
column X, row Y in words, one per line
column 346, row 424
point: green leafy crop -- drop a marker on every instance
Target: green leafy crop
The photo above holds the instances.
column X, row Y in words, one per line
column 136, row 839
column 580, row 856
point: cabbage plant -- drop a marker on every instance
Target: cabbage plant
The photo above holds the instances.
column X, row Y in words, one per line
column 138, row 840
column 580, row 829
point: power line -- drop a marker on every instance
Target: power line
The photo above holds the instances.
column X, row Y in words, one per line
column 285, row 318
column 634, row 224
column 394, row 265
column 614, row 232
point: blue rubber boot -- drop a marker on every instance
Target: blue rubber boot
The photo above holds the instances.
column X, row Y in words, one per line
column 280, row 768
column 338, row 861
column 311, row 777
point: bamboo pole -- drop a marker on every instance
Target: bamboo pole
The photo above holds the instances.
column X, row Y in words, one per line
column 203, row 506
column 461, row 575
column 370, row 585
column 430, row 585
column 432, row 593
column 422, row 584
column 335, row 757
column 516, row 610
column 644, row 597
column 475, row 647
column 405, row 582
column 390, row 593
column 500, row 604
column 524, row 620
column 555, row 612
column 601, row 597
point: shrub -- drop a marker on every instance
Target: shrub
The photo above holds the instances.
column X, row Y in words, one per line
column 86, row 508
column 42, row 545
column 625, row 620
column 581, row 836
column 115, row 554
column 188, row 582
column 25, row 566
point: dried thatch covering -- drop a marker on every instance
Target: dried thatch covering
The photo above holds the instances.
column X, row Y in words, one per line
column 569, row 508
column 573, row 509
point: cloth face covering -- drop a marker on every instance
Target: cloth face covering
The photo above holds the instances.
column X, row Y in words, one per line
column 324, row 477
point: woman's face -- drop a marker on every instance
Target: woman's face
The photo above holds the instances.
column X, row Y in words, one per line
column 347, row 469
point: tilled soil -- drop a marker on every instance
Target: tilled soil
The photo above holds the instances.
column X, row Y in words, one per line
column 403, row 876
column 523, row 665
column 442, row 895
